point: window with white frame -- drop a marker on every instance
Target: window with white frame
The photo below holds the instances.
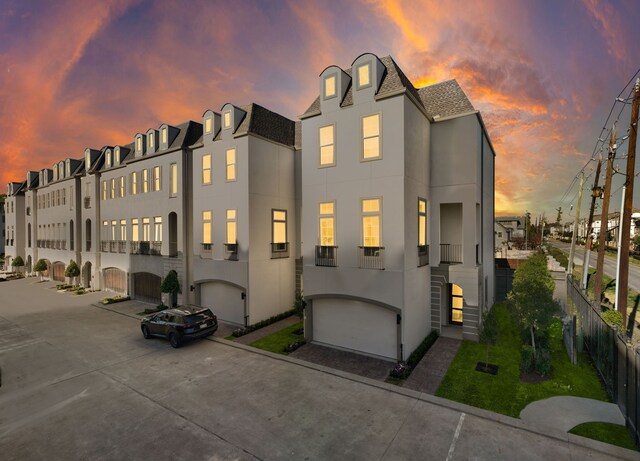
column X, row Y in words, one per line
column 279, row 226
column 329, row 86
column 146, row 229
column 364, row 75
column 207, row 217
column 327, row 145
column 157, row 172
column 226, row 119
column 139, row 143
column 327, row 222
column 105, row 230
column 371, row 137
column 113, row 188
column 371, row 222
column 164, row 135
column 104, row 190
column 145, row 181
column 422, row 222
column 231, row 226
column 206, row 169
column 108, row 161
column 157, row 229
column 231, row 164
column 173, row 172
column 117, row 155
column 134, row 183
column 123, row 191
column 135, row 229
column 150, row 141
column 123, row 229
column 114, row 226
column 208, row 125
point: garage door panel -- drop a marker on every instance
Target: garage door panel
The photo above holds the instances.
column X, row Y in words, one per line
column 58, row 271
column 355, row 325
column 115, row 280
column 224, row 300
column 147, row 287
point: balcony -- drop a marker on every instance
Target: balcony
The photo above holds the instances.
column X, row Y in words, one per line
column 206, row 247
column 145, row 248
column 104, row 246
column 231, row 251
column 423, row 255
column 122, row 246
column 87, row 202
column 279, row 250
column 450, row 253
column 371, row 257
column 326, row 256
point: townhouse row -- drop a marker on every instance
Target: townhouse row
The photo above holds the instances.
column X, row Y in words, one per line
column 378, row 204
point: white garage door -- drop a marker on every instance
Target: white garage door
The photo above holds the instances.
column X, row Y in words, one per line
column 355, row 325
column 224, row 300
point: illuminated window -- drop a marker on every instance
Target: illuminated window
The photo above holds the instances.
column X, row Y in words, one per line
column 113, row 188
column 327, row 224
column 457, row 303
column 364, row 75
column 371, row 222
column 146, row 230
column 134, row 183
column 327, row 145
column 55, row 172
column 164, row 135
column 108, row 158
column 279, row 226
column 135, row 229
column 206, row 227
column 64, row 196
column 139, row 143
column 123, row 229
column 206, row 169
column 231, row 164
column 371, row 137
column 173, row 170
column 123, row 191
column 157, row 172
column 117, row 155
column 87, row 159
column 151, row 140
column 104, row 190
column 422, row 222
column 226, row 119
column 145, row 181
column 157, row 229
column 208, row 125
column 105, row 230
column 114, row 226
column 231, row 227
column 330, row 87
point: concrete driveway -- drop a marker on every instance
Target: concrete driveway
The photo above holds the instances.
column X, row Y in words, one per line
column 79, row 382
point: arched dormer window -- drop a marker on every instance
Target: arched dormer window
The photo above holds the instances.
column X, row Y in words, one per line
column 368, row 72
column 232, row 116
column 333, row 86
column 116, row 154
column 68, row 167
column 141, row 144
column 87, row 159
column 55, row 172
column 152, row 141
column 108, row 160
column 211, row 123
column 61, row 174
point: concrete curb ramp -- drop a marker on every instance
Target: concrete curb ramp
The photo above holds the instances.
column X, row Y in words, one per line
column 565, row 413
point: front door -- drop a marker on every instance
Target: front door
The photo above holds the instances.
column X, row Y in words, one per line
column 456, row 303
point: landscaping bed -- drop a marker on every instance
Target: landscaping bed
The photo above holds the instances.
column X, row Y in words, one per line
column 606, row 432
column 279, row 341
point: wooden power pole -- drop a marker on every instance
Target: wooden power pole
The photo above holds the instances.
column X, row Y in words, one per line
column 595, row 193
column 604, row 220
column 574, row 234
column 623, row 282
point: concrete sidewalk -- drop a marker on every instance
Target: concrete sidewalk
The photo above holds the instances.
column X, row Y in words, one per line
column 566, row 412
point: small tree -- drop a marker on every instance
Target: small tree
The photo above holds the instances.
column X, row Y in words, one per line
column 532, row 296
column 72, row 271
column 18, row 262
column 489, row 332
column 171, row 285
column 40, row 267
column 299, row 304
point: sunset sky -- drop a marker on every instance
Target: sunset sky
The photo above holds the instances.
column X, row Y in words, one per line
column 77, row 74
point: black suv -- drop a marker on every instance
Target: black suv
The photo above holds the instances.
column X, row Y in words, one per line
column 179, row 324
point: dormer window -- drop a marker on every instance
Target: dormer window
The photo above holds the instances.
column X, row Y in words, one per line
column 208, row 125
column 364, row 75
column 226, row 119
column 151, row 141
column 117, row 155
column 108, row 159
column 68, row 168
column 139, row 144
column 87, row 160
column 55, row 172
column 164, row 135
column 330, row 86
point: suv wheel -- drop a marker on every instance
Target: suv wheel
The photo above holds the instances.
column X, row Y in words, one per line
column 174, row 340
column 145, row 332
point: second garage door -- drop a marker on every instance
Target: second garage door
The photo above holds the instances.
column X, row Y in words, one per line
column 224, row 300
column 356, row 325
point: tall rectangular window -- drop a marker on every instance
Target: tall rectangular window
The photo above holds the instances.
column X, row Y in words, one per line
column 117, row 156
column 206, row 169
column 113, row 188
column 145, row 180
column 371, row 222
column 330, row 86
column 114, row 226
column 364, row 75
column 64, row 196
column 157, row 229
column 157, row 172
column 173, row 171
column 206, row 227
column 146, row 229
column 105, row 230
column 207, row 125
column 327, row 224
column 123, row 229
column 139, row 144
column 108, row 159
column 135, row 229
column 422, row 222
column 134, row 183
column 371, row 137
column 123, row 192
column 279, row 226
column 164, row 136
column 151, row 141
column 231, row 226
column 104, row 190
column 327, row 145
column 231, row 164
column 226, row 119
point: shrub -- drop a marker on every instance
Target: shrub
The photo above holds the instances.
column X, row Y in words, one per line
column 40, row 266
column 614, row 319
column 263, row 323
column 115, row 299
column 400, row 371
column 17, row 262
column 299, row 304
column 526, row 359
column 72, row 270
column 295, row 345
column 170, row 284
column 422, row 349
column 543, row 362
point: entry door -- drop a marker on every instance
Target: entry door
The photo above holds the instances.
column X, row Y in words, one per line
column 456, row 302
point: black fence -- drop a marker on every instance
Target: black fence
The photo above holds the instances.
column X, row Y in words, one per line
column 617, row 362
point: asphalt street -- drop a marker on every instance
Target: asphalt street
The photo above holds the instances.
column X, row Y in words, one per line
column 80, row 383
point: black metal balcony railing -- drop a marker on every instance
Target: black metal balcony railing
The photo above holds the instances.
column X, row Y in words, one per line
column 63, row 244
column 104, row 246
column 87, row 202
column 423, row 255
column 326, row 255
column 450, row 253
column 113, row 246
column 231, row 251
column 279, row 250
column 122, row 246
column 145, row 248
column 207, row 246
column 155, row 248
column 371, row 257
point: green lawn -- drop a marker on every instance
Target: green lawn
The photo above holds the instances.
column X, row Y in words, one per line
column 276, row 342
column 606, row 432
column 504, row 393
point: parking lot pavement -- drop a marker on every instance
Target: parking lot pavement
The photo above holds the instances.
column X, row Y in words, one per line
column 90, row 387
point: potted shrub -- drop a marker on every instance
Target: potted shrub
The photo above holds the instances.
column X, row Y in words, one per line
column 17, row 262
column 171, row 287
column 72, row 271
column 40, row 267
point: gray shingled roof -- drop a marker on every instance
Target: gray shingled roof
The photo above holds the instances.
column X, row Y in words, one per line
column 267, row 124
column 298, row 136
column 445, row 99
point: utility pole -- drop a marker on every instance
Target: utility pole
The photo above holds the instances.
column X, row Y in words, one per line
column 526, row 230
column 621, row 216
column 604, row 221
column 574, row 234
column 623, row 281
column 595, row 193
